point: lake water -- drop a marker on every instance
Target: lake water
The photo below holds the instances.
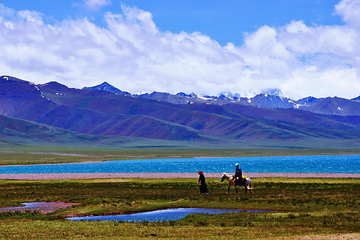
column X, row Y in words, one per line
column 159, row 215
column 284, row 164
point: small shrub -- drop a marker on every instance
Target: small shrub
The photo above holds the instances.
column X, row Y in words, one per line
column 201, row 223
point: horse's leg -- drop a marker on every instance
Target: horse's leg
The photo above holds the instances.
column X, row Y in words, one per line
column 243, row 183
column 228, row 189
column 249, row 187
column 236, row 189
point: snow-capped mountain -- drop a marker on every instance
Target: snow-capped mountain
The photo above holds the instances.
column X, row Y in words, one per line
column 308, row 101
column 167, row 97
column 273, row 91
column 273, row 101
column 229, row 95
column 269, row 98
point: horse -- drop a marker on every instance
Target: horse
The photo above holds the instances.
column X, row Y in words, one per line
column 246, row 182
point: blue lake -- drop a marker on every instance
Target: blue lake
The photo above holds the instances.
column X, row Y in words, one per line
column 283, row 164
column 159, row 215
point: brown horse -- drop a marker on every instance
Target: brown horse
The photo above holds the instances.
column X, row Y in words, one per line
column 246, row 182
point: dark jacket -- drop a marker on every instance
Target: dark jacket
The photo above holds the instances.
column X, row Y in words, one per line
column 202, row 179
column 238, row 173
column 203, row 187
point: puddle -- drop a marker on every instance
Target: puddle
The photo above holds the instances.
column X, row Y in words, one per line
column 164, row 215
column 159, row 215
column 43, row 207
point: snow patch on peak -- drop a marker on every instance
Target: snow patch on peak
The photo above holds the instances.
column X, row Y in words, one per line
column 229, row 94
column 273, row 91
column 195, row 95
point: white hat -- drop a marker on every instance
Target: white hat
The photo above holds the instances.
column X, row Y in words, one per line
column 237, row 165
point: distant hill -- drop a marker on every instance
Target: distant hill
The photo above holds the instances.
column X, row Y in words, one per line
column 273, row 101
column 18, row 131
column 308, row 101
column 335, row 106
column 108, row 88
column 96, row 114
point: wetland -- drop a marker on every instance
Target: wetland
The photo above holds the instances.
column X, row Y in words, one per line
column 304, row 207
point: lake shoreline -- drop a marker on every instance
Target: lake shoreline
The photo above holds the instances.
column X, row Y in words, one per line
column 60, row 176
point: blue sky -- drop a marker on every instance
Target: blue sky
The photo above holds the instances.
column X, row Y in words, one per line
column 304, row 48
column 223, row 22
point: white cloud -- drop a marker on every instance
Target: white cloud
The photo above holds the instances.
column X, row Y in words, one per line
column 134, row 55
column 350, row 11
column 96, row 4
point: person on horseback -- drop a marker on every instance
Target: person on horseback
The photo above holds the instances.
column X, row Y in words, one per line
column 203, row 187
column 238, row 175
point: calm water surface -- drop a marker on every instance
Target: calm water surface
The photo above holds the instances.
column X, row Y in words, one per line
column 284, row 164
column 159, row 215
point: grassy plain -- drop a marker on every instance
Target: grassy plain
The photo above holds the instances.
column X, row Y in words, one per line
column 52, row 154
column 304, row 207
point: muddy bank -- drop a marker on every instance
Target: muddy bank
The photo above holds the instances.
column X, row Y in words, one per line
column 43, row 207
column 57, row 176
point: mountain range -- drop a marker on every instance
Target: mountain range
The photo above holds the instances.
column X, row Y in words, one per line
column 272, row 99
column 55, row 113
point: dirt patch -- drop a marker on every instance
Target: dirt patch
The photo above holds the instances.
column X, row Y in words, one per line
column 43, row 207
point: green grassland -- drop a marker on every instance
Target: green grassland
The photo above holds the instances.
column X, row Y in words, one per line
column 54, row 154
column 304, row 207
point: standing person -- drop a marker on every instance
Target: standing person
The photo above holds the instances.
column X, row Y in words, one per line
column 238, row 175
column 203, row 187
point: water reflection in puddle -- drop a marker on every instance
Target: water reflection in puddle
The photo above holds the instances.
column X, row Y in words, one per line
column 159, row 215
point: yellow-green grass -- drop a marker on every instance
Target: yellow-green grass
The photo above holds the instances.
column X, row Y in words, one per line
column 304, row 207
column 223, row 226
column 48, row 155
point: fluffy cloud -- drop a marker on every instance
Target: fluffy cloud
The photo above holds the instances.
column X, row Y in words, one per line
column 96, row 4
column 350, row 11
column 133, row 55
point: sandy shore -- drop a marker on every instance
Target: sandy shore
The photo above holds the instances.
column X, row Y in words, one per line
column 57, row 176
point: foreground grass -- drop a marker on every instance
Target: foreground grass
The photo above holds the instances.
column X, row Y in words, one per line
column 304, row 207
column 193, row 227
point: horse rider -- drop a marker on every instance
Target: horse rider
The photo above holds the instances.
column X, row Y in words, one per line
column 203, row 187
column 238, row 175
